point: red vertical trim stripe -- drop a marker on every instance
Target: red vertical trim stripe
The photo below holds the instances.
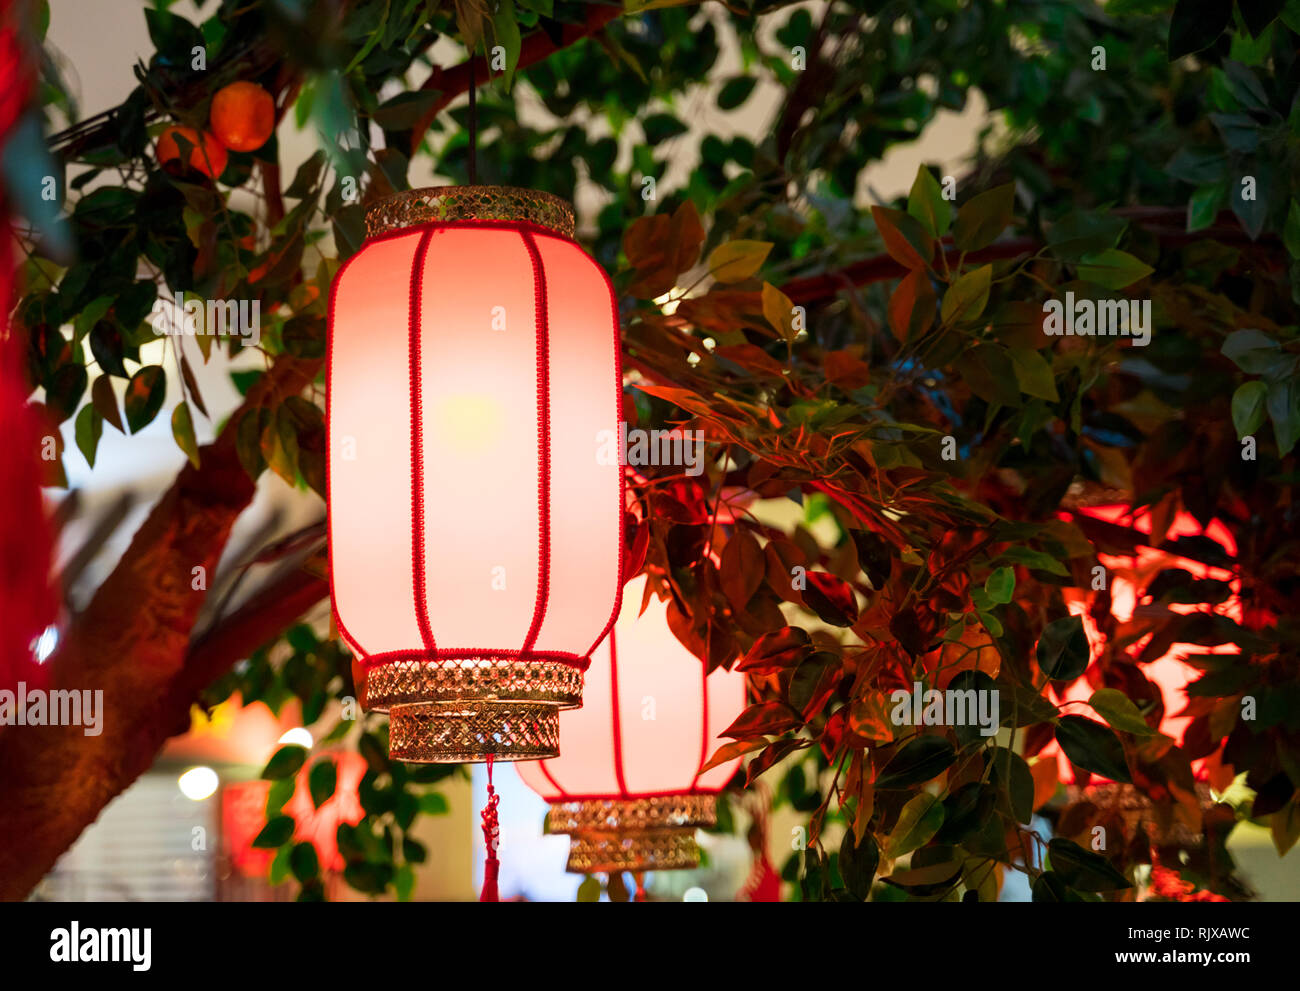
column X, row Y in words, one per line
column 543, row 444
column 618, row 728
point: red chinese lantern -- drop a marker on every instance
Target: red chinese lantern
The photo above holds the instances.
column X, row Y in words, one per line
column 1169, row 673
column 628, row 786
column 475, row 537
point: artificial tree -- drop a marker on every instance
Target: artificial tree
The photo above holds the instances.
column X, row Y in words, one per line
column 884, row 368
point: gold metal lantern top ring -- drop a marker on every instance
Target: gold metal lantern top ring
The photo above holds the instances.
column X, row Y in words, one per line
column 452, row 203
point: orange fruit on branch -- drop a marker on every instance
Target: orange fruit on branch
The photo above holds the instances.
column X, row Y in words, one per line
column 205, row 153
column 242, row 116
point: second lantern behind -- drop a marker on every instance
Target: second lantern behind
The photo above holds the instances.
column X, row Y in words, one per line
column 628, row 785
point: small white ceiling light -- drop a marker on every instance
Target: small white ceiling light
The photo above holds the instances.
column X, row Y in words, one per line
column 298, row 737
column 198, row 783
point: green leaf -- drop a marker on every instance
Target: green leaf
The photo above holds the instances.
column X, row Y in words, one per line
column 278, row 795
column 1113, row 269
column 1016, row 781
column 966, row 298
column 505, row 29
column 285, row 762
column 1085, row 232
column 1248, row 407
column 1255, row 353
column 276, row 832
column 919, row 759
column 1093, row 746
column 91, row 315
column 988, row 372
column 735, row 91
column 434, row 804
column 1291, row 230
column 1283, row 403
column 89, row 427
column 736, row 261
column 1034, row 374
column 1197, row 24
column 1205, row 205
column 661, row 127
column 920, row 819
column 321, row 781
column 1063, row 649
column 1036, row 560
column 1049, row 887
column 1000, row 586
column 144, row 396
column 982, row 218
column 1082, row 869
column 926, row 203
column 1118, row 709
column 858, row 863
column 303, row 862
column 183, row 432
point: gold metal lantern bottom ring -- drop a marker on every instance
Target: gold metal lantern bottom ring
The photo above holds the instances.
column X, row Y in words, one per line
column 463, row 711
column 641, row 834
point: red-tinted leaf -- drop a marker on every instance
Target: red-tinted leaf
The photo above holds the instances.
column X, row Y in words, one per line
column 742, row 568
column 763, row 719
column 831, row 598
column 730, row 751
column 772, row 755
column 779, row 649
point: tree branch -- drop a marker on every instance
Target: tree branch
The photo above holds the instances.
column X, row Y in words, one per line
column 452, row 82
column 132, row 643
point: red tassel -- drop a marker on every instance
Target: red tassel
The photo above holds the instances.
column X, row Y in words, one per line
column 763, row 883
column 491, row 836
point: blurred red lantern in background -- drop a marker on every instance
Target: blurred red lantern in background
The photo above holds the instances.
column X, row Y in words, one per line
column 475, row 535
column 628, row 785
column 1128, row 582
column 243, row 815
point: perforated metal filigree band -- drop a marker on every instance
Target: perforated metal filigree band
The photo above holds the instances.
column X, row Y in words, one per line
column 458, row 733
column 492, row 679
column 656, row 833
column 651, row 850
column 446, row 203
column 654, row 812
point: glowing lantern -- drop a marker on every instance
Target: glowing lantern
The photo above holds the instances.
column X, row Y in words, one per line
column 628, row 786
column 475, row 536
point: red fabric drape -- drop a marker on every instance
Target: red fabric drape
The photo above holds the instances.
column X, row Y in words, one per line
column 27, row 603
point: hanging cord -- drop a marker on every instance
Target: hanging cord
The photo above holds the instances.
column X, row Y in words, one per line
column 473, row 138
column 491, row 836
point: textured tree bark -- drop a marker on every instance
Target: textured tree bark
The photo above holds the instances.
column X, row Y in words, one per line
column 133, row 643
